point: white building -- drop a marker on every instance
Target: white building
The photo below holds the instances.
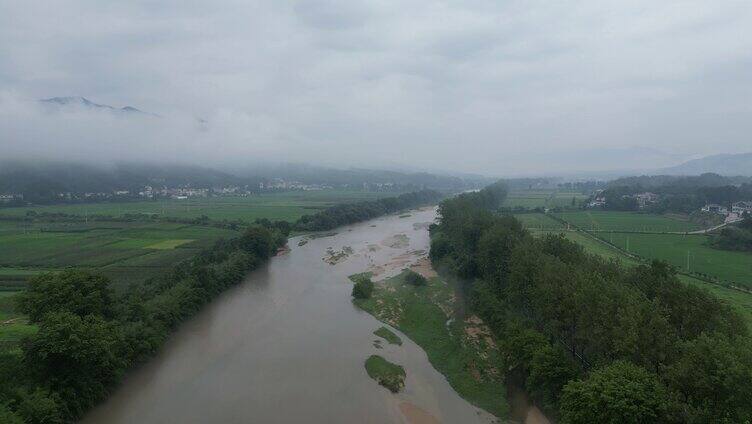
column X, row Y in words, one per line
column 740, row 208
column 713, row 208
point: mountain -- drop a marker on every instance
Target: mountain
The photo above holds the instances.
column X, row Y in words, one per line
column 82, row 102
column 724, row 164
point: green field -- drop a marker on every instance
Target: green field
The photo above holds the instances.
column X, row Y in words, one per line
column 689, row 253
column 288, row 206
column 543, row 198
column 626, row 221
column 124, row 251
column 538, row 221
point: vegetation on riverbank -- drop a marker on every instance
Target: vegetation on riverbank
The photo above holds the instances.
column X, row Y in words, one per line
column 389, row 375
column 388, row 335
column 459, row 347
column 89, row 335
column 351, row 213
column 588, row 337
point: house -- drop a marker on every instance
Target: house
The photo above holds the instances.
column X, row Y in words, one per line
column 598, row 202
column 713, row 208
column 740, row 208
column 646, row 198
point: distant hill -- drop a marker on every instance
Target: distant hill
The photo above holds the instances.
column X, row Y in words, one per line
column 83, row 102
column 725, row 164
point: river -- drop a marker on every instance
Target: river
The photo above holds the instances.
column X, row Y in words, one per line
column 288, row 346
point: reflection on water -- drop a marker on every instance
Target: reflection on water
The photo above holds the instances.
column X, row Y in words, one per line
column 287, row 345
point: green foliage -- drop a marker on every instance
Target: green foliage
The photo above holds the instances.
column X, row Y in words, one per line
column 9, row 417
column 77, row 357
column 75, row 291
column 546, row 299
column 389, row 375
column 362, row 289
column 350, row 213
column 40, row 407
column 88, row 337
column 415, row 279
column 388, row 335
column 619, row 393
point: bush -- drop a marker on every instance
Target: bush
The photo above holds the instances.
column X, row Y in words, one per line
column 415, row 279
column 363, row 288
column 618, row 393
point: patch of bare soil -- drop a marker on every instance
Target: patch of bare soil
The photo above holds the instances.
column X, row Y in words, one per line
column 397, row 241
column 333, row 257
column 416, row 415
column 424, row 268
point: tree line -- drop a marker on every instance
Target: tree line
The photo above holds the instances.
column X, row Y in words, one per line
column 591, row 340
column 350, row 213
column 735, row 237
column 89, row 336
column 678, row 194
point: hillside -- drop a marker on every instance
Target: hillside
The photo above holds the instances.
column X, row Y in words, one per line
column 725, row 164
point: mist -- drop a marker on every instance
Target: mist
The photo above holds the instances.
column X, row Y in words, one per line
column 518, row 88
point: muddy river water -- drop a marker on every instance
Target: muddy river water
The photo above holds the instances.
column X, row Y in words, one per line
column 288, row 346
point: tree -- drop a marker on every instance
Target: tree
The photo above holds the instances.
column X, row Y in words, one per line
column 714, row 376
column 75, row 291
column 40, row 407
column 618, row 393
column 9, row 417
column 77, row 357
column 362, row 288
column 415, row 279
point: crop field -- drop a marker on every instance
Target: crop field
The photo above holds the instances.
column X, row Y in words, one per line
column 544, row 198
column 124, row 251
column 626, row 221
column 288, row 206
column 538, row 221
column 689, row 253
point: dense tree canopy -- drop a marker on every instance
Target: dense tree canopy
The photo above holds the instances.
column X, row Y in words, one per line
column 591, row 340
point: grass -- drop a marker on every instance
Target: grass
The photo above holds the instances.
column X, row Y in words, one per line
column 389, row 375
column 453, row 346
column 389, row 336
column 626, row 221
column 288, row 206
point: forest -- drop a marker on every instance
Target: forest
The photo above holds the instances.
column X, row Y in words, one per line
column 351, row 213
column 589, row 339
column 90, row 335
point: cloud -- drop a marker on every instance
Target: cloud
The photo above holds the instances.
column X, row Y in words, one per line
column 483, row 86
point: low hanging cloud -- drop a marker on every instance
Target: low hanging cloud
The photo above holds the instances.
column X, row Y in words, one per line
column 482, row 86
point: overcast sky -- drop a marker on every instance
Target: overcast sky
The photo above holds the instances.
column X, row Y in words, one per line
column 496, row 87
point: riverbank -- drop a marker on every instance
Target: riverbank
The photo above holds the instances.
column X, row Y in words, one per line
column 461, row 348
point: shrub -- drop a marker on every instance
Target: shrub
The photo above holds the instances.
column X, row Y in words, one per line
column 363, row 288
column 415, row 279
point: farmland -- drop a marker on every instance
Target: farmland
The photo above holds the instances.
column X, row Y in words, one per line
column 689, row 253
column 288, row 206
column 542, row 198
column 626, row 221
